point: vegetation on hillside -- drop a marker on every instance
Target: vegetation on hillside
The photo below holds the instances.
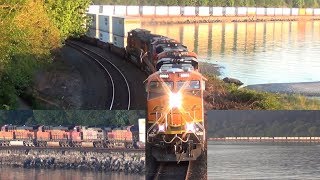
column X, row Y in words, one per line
column 223, row 96
column 223, row 3
column 30, row 31
column 263, row 123
column 74, row 117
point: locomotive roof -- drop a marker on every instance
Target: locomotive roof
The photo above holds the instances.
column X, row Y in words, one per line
column 144, row 35
column 62, row 127
column 25, row 127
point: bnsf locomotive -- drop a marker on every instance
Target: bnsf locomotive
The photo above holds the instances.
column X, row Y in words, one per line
column 69, row 136
column 175, row 125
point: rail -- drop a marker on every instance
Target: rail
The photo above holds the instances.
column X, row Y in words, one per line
column 113, row 73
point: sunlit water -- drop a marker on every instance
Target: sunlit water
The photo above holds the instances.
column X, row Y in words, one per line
column 254, row 52
column 263, row 161
column 8, row 173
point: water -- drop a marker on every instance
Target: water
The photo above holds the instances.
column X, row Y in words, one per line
column 263, row 161
column 9, row 173
column 254, row 52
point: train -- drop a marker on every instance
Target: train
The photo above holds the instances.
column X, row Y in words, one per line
column 175, row 115
column 70, row 136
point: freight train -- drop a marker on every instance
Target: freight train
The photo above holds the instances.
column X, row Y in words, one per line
column 175, row 125
column 70, row 136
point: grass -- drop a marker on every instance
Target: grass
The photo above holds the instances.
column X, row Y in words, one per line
column 220, row 96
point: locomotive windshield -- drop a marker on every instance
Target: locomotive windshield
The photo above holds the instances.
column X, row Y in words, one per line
column 157, row 89
column 188, row 85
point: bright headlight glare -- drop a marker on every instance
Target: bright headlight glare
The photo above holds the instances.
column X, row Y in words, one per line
column 175, row 100
column 190, row 127
column 161, row 127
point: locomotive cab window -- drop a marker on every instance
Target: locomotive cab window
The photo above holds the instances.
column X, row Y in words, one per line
column 157, row 89
column 190, row 87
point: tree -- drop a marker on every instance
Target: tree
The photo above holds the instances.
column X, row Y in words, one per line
column 68, row 16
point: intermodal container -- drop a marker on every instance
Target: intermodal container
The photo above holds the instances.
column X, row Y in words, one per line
column 189, row 11
column 92, row 33
column 148, row 10
column 278, row 11
column 286, row 11
column 230, row 11
column 119, row 41
column 203, row 11
column 294, row 11
column 133, row 11
column 122, row 25
column 270, row 11
column 104, row 37
column 309, row 11
column 94, row 9
column 217, row 11
column 316, row 11
column 261, row 11
column 93, row 21
column 162, row 11
column 302, row 11
column 251, row 11
column 120, row 10
column 241, row 11
column 174, row 11
column 108, row 10
column 105, row 23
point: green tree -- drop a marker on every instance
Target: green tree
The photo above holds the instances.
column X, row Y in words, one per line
column 68, row 16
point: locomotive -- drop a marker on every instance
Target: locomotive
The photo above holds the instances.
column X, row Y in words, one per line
column 175, row 117
column 70, row 136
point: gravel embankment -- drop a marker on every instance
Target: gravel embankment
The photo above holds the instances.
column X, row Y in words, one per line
column 128, row 162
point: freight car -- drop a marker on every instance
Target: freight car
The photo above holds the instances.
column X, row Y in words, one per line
column 69, row 136
column 175, row 126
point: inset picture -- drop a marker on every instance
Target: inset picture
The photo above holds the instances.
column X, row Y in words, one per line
column 72, row 145
column 263, row 144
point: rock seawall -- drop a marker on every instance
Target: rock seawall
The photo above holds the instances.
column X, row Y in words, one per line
column 128, row 162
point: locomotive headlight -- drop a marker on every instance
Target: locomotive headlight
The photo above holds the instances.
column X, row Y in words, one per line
column 190, row 127
column 161, row 127
column 175, row 100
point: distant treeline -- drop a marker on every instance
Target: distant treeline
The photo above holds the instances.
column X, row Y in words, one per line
column 263, row 123
column 71, row 117
column 223, row 3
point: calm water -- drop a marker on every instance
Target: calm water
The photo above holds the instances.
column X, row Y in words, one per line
column 7, row 173
column 255, row 53
column 263, row 161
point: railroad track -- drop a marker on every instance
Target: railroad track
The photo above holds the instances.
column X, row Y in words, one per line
column 119, row 89
column 71, row 148
column 173, row 171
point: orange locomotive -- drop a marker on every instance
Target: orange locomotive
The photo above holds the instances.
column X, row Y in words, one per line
column 175, row 117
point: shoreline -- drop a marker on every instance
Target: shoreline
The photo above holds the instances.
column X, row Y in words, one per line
column 223, row 19
column 127, row 162
column 308, row 89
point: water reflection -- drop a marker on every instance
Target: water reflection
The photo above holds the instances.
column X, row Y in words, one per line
column 54, row 174
column 254, row 52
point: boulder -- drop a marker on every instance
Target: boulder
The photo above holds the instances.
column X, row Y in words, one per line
column 232, row 81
